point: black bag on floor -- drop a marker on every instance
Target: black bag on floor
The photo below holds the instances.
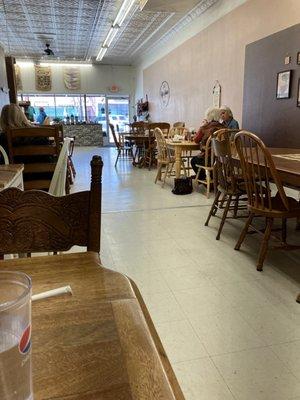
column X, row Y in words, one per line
column 183, row 185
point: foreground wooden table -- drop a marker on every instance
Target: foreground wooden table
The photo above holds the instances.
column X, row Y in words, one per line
column 99, row 343
column 179, row 147
column 288, row 169
column 11, row 175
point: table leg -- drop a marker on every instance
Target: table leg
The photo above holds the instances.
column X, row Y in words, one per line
column 177, row 161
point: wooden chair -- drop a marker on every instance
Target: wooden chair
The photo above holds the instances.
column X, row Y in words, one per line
column 258, row 171
column 4, row 155
column 35, row 221
column 123, row 150
column 150, row 145
column 181, row 131
column 164, row 158
column 179, row 125
column 227, row 177
column 207, row 167
column 38, row 149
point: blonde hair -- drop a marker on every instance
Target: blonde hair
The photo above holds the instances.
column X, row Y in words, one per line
column 12, row 116
column 212, row 114
column 225, row 108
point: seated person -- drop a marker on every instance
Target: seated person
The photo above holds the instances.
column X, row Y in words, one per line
column 42, row 116
column 227, row 118
column 209, row 125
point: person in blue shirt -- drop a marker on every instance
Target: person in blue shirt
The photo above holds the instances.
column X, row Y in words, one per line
column 227, row 118
column 42, row 115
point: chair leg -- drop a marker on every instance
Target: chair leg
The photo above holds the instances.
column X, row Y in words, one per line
column 264, row 245
column 158, row 172
column 236, row 206
column 119, row 152
column 225, row 212
column 165, row 175
column 284, row 230
column 244, row 232
column 207, row 183
column 213, row 207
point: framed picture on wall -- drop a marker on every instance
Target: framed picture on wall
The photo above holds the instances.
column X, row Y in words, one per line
column 283, row 84
column 298, row 95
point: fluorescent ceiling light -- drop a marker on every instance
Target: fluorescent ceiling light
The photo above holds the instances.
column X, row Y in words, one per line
column 110, row 36
column 47, row 64
column 101, row 53
column 142, row 4
column 123, row 12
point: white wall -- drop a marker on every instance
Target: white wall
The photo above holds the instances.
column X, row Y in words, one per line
column 94, row 80
column 215, row 12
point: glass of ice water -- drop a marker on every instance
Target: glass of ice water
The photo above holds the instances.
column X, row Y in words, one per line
column 15, row 336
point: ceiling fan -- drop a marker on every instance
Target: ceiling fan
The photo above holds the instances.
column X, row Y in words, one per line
column 48, row 51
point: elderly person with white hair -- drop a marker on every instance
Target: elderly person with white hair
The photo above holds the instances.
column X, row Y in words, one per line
column 209, row 125
column 227, row 118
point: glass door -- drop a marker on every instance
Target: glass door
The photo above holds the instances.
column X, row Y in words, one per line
column 118, row 114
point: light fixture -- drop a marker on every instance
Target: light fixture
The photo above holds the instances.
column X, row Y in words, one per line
column 101, row 53
column 47, row 64
column 110, row 36
column 123, row 12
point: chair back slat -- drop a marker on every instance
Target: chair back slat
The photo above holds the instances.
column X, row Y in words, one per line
column 224, row 166
column 35, row 221
column 117, row 143
column 162, row 149
column 259, row 171
column 138, row 127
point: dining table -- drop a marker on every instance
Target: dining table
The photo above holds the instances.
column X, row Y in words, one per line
column 287, row 163
column 179, row 147
column 98, row 343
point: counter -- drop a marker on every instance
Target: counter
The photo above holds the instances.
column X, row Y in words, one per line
column 85, row 135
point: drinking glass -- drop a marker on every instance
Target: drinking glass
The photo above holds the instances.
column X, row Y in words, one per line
column 15, row 336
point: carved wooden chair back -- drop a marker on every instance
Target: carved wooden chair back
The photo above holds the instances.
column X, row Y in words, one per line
column 4, row 155
column 163, row 126
column 38, row 149
column 35, row 221
column 181, row 131
column 224, row 166
column 139, row 127
column 258, row 170
column 162, row 149
column 179, row 125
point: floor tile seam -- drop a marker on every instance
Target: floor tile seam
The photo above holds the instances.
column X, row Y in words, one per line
column 284, row 363
column 154, row 209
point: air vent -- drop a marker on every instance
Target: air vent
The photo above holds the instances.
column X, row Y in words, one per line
column 172, row 6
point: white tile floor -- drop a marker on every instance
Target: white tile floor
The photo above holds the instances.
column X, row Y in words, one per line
column 229, row 331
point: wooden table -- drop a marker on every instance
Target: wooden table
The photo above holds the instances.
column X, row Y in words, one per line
column 99, row 343
column 139, row 140
column 11, row 175
column 288, row 170
column 179, row 147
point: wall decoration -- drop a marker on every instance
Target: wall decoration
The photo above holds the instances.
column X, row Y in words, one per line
column 72, row 78
column 298, row 57
column 298, row 95
column 283, row 84
column 43, row 78
column 287, row 60
column 217, row 95
column 164, row 93
column 18, row 78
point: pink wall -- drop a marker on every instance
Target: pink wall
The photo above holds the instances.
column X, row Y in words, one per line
column 216, row 53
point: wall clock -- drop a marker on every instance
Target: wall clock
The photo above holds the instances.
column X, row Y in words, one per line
column 164, row 93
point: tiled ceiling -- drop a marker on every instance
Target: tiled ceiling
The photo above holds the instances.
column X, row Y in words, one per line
column 77, row 28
